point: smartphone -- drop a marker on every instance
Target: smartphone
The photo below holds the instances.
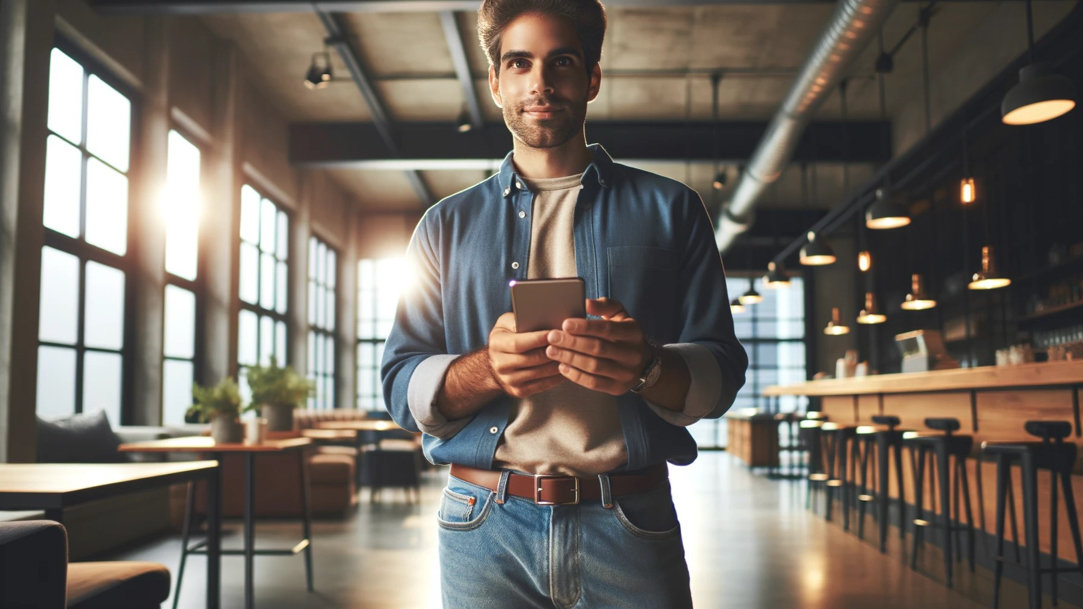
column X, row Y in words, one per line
column 543, row 304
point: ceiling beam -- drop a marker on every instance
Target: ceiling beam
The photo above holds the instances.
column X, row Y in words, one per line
column 462, row 67
column 439, row 146
column 206, row 7
column 337, row 37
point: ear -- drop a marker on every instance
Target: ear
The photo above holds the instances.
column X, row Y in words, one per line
column 595, row 82
column 494, row 87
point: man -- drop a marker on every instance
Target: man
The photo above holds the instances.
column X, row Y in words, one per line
column 559, row 439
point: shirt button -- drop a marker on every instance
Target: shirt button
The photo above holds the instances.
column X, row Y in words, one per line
column 515, row 265
column 507, row 191
column 519, row 185
column 494, row 429
column 522, row 214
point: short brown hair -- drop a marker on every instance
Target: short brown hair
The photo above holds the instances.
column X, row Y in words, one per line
column 587, row 16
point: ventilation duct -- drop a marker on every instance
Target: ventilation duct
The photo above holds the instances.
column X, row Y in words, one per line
column 850, row 29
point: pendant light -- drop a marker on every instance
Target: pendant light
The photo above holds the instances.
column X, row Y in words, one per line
column 864, row 261
column 835, row 327
column 736, row 306
column 751, row 296
column 1040, row 95
column 319, row 71
column 988, row 278
column 886, row 212
column 918, row 299
column 817, row 252
column 967, row 191
column 871, row 313
column 776, row 276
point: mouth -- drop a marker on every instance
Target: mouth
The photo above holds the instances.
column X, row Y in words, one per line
column 541, row 112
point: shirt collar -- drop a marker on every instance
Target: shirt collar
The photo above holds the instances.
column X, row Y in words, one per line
column 600, row 171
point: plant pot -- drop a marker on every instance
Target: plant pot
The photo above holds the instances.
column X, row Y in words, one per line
column 226, row 429
column 279, row 417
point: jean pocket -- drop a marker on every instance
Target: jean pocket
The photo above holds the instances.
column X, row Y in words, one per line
column 464, row 508
column 649, row 514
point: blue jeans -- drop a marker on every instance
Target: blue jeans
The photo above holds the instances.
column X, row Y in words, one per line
column 519, row 555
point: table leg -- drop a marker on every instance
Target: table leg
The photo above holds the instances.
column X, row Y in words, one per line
column 306, row 522
column 249, row 526
column 214, row 538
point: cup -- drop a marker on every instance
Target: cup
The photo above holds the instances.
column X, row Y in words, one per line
column 255, row 430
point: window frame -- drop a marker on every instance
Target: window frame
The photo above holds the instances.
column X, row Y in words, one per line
column 328, row 333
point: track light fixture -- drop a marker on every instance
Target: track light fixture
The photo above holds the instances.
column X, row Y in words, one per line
column 1040, row 95
column 817, row 252
column 319, row 71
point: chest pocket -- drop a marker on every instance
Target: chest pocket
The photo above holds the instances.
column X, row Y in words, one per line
column 645, row 280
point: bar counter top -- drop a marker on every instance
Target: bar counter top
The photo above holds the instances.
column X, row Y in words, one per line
column 1045, row 374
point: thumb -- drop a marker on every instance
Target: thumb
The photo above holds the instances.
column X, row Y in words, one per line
column 606, row 308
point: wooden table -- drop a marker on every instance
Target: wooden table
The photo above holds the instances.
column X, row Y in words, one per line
column 54, row 486
column 360, row 425
column 205, row 444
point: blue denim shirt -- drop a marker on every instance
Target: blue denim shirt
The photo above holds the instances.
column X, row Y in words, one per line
column 640, row 238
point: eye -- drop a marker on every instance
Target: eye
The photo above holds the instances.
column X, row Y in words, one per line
column 563, row 61
column 519, row 63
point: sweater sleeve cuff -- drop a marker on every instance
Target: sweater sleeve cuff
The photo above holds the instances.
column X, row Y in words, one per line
column 704, row 388
column 425, row 384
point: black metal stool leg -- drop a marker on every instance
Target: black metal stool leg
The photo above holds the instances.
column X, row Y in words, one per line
column 864, row 496
column 944, row 480
column 1073, row 519
column 1004, row 482
column 1015, row 523
column 1030, row 524
column 919, row 509
column 1053, row 534
column 970, row 542
column 186, row 530
column 901, row 488
column 883, row 486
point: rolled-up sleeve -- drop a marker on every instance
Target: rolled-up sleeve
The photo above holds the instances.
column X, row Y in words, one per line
column 425, row 384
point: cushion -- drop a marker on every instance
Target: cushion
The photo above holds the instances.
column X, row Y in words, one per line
column 79, row 438
column 326, row 468
column 110, row 585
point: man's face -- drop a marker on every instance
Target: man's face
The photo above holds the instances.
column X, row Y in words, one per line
column 543, row 86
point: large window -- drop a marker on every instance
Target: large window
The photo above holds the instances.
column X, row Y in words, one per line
column 263, row 287
column 379, row 283
column 773, row 334
column 322, row 267
column 180, row 210
column 81, row 331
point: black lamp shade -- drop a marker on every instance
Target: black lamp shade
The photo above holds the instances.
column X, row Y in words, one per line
column 817, row 252
column 886, row 212
column 1040, row 96
column 776, row 276
column 319, row 71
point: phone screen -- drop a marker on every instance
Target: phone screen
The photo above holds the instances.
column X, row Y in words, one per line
column 543, row 304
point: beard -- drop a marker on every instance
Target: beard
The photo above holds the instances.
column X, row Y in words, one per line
column 545, row 133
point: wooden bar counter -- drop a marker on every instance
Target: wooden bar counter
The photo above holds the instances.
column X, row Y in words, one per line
column 991, row 403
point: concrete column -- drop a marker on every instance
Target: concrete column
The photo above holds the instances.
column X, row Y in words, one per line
column 346, row 322
column 298, row 274
column 149, row 244
column 26, row 38
column 219, row 224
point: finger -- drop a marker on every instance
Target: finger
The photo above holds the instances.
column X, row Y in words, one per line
column 591, row 381
column 614, row 331
column 626, row 353
column 505, row 363
column 595, row 366
column 505, row 341
column 606, row 308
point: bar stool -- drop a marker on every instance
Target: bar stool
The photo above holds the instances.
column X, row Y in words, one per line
column 888, row 443
column 949, row 452
column 794, row 448
column 809, row 430
column 1057, row 456
column 841, row 472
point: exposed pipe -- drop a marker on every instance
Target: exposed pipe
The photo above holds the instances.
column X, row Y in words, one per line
column 850, row 29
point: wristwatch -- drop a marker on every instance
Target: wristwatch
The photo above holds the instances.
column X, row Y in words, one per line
column 651, row 372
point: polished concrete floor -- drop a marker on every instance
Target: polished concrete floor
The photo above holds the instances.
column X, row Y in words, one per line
column 750, row 544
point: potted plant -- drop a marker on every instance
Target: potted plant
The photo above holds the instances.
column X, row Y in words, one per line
column 221, row 405
column 277, row 390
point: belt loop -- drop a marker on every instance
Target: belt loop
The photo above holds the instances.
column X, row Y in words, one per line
column 502, row 487
column 605, row 491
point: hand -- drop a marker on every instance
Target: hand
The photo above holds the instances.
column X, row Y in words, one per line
column 518, row 361
column 606, row 354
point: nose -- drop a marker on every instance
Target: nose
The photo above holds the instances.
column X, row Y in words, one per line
column 541, row 81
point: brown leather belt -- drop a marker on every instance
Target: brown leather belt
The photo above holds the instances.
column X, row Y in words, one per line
column 563, row 490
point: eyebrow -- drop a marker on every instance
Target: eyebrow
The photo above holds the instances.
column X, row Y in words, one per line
column 554, row 53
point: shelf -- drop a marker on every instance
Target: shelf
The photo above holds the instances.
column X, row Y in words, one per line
column 1052, row 311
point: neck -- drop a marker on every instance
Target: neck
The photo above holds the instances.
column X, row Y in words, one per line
column 569, row 158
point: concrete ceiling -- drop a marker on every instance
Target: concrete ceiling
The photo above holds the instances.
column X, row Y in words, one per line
column 657, row 65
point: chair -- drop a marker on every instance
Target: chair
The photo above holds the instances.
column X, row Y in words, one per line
column 392, row 463
column 1051, row 453
column 841, row 468
column 35, row 573
column 888, row 444
column 949, row 452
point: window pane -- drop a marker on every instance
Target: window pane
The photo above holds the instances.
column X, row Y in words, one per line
column 181, row 207
column 280, row 342
column 108, row 123
column 248, row 288
column 63, row 168
column 281, row 296
column 65, row 96
column 311, row 352
column 330, row 310
column 249, row 215
column 180, row 323
column 283, row 247
column 267, row 226
column 313, row 245
column 247, row 341
column 104, row 307
column 101, row 383
column 267, row 341
column 332, row 268
column 267, row 282
column 312, row 304
column 56, row 382
column 58, row 310
column 106, row 208
column 177, row 378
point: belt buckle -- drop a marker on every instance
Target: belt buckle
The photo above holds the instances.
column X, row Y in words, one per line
column 538, row 478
